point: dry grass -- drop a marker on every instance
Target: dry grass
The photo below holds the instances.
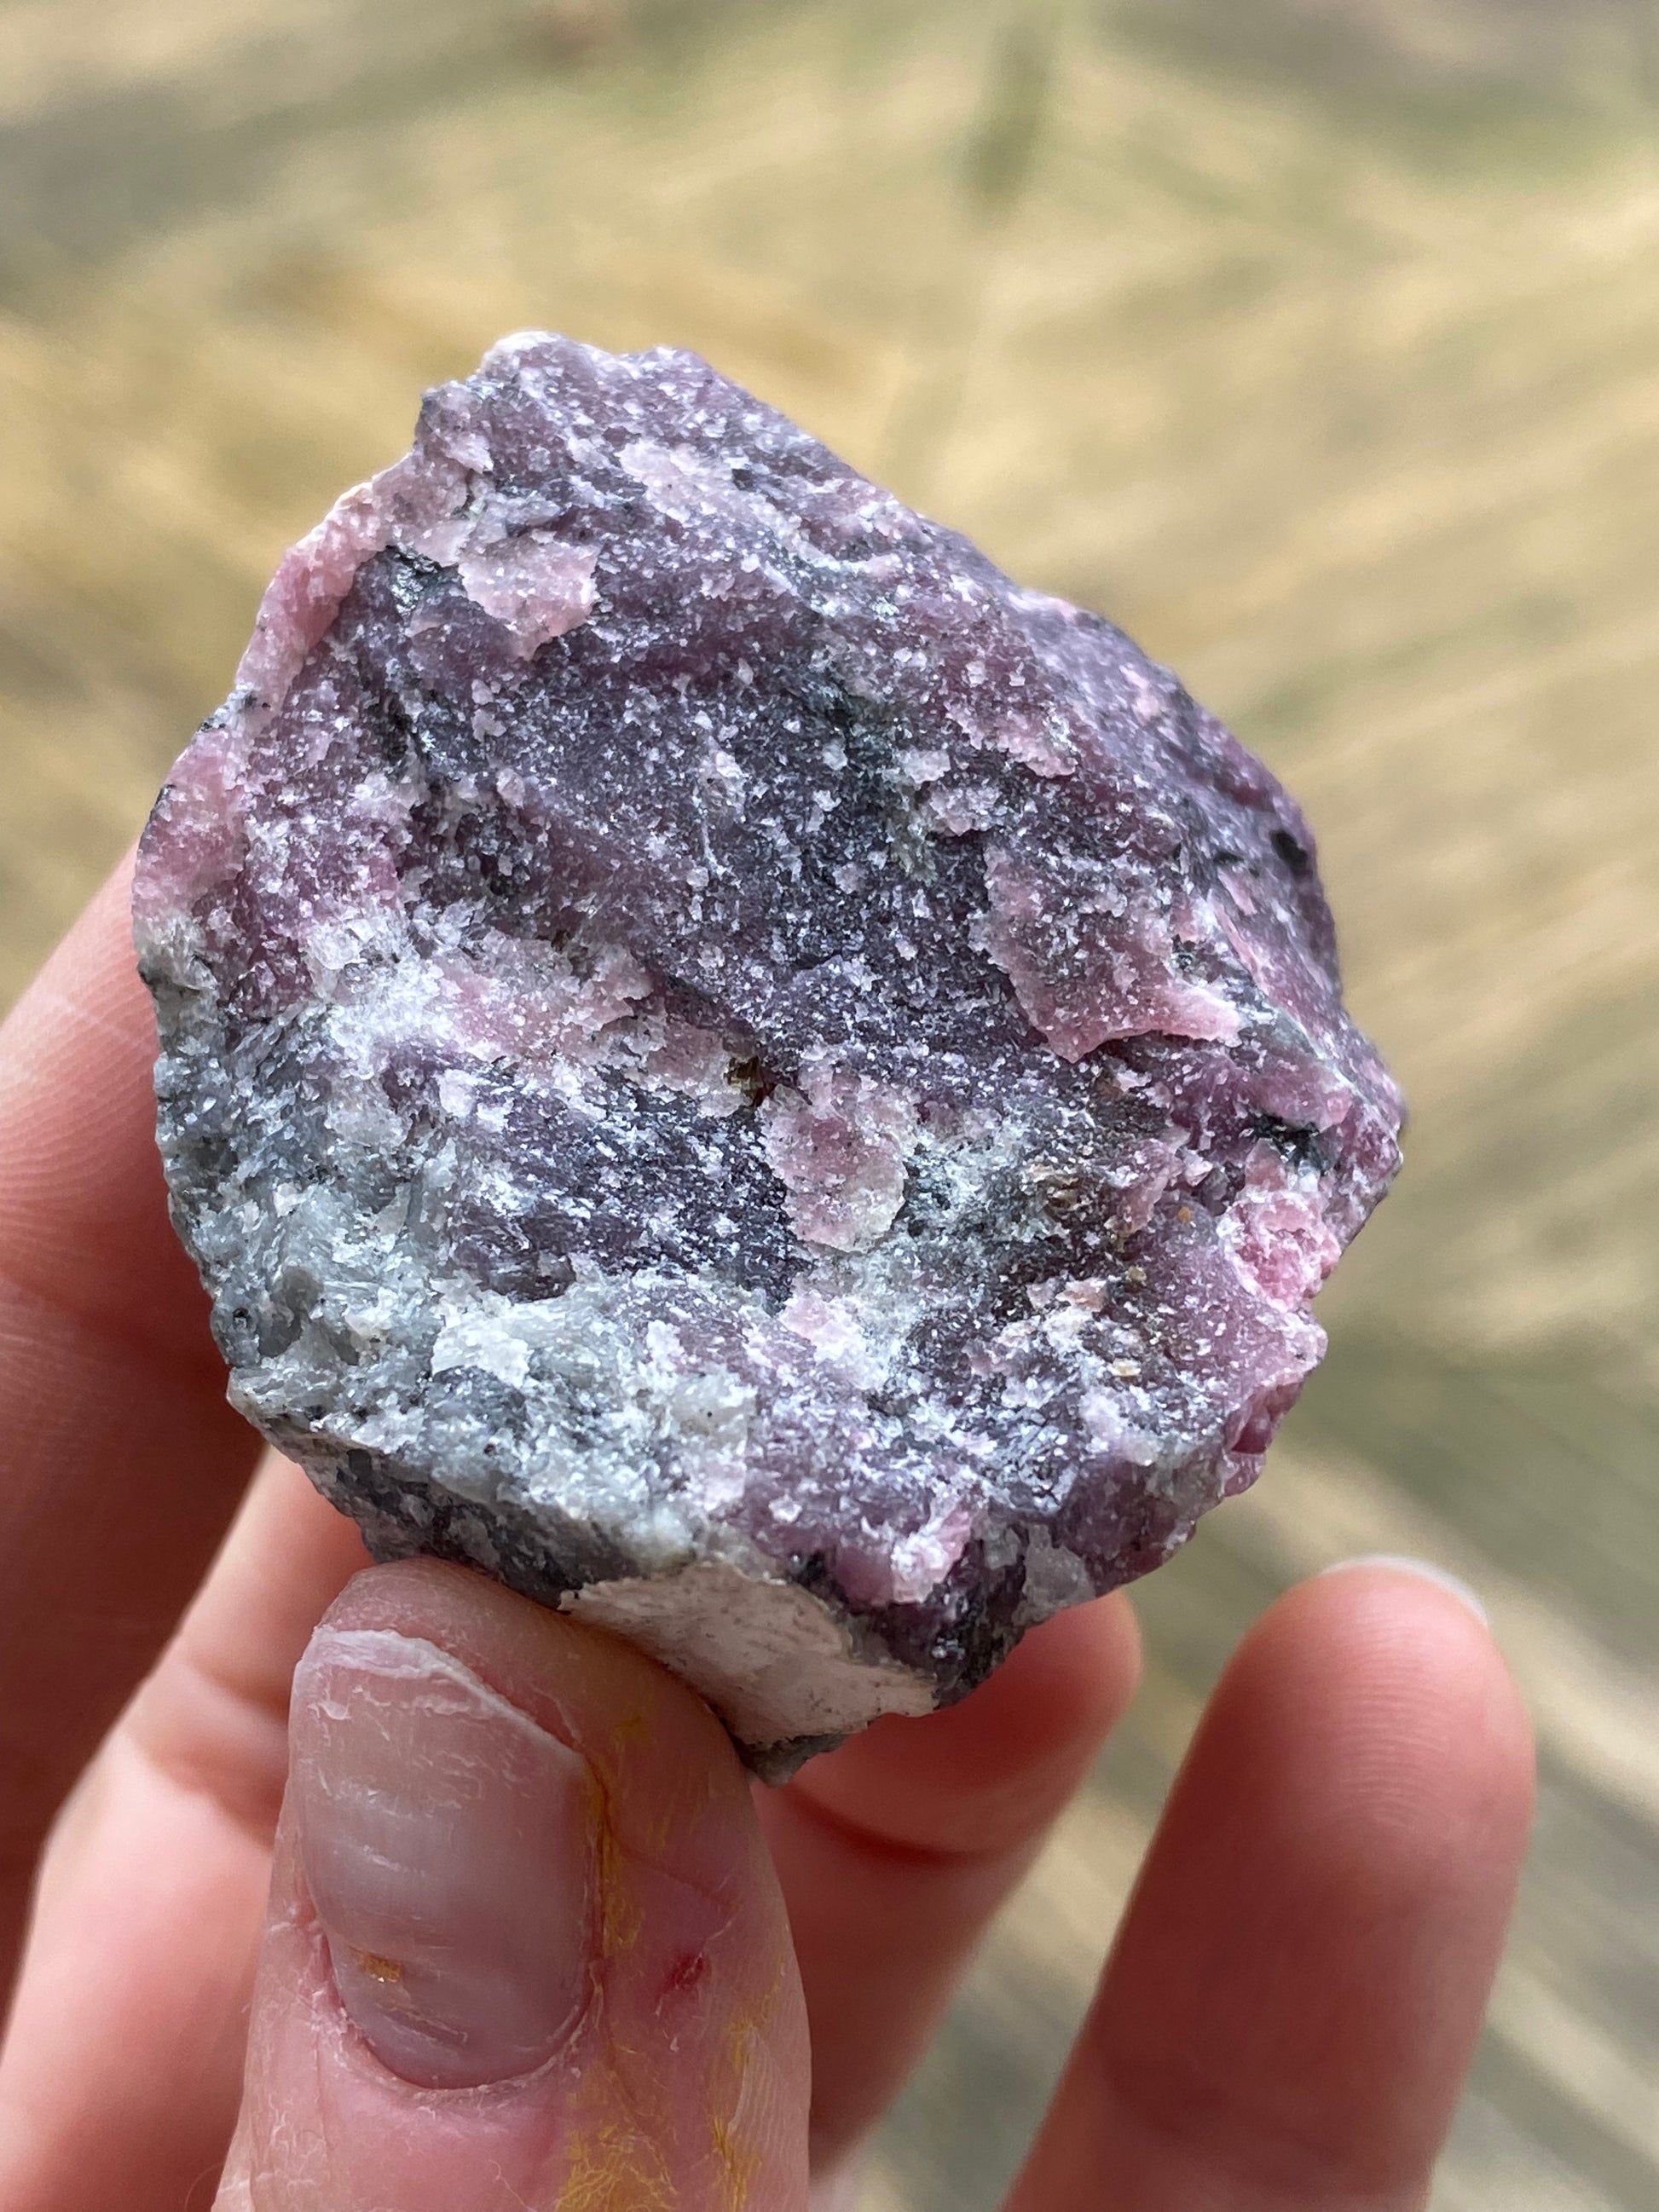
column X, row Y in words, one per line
column 1322, row 355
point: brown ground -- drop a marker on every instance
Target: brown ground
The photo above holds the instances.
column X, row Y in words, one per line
column 1313, row 339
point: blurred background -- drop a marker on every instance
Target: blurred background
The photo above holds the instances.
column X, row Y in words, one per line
column 1317, row 341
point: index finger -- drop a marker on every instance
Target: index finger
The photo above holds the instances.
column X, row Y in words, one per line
column 120, row 1462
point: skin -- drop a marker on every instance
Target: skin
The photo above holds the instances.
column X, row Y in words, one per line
column 1285, row 2020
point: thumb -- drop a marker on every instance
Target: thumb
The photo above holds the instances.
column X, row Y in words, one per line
column 525, row 1948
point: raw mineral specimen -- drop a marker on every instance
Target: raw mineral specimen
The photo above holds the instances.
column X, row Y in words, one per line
column 728, row 1064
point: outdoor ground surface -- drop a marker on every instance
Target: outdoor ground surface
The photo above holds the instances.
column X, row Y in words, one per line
column 1319, row 344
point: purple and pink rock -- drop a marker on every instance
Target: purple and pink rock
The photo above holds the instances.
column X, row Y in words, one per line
column 729, row 1065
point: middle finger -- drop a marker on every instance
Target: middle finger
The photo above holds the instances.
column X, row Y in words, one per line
column 895, row 1851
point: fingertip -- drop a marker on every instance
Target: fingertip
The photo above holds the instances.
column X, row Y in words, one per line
column 1422, row 1570
column 1369, row 1729
column 1388, row 1673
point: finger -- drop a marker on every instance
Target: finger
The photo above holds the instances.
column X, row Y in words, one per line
column 895, row 1851
column 121, row 1462
column 1289, row 2013
column 122, row 2070
column 524, row 1945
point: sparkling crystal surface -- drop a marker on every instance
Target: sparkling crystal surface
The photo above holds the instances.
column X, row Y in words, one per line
column 726, row 1063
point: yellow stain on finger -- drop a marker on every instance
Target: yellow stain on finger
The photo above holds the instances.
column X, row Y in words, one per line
column 620, row 1918
column 377, row 1968
column 737, row 2163
column 613, row 2168
column 732, row 2131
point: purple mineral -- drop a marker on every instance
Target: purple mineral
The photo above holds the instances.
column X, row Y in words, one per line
column 725, row 1063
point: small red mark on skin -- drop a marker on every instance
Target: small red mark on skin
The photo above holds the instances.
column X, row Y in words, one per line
column 687, row 1970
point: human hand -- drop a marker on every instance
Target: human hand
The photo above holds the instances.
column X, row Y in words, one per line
column 525, row 1936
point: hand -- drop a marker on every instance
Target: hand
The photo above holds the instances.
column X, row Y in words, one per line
column 515, row 1932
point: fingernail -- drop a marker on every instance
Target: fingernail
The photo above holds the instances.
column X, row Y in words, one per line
column 447, row 1844
column 1425, row 1572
